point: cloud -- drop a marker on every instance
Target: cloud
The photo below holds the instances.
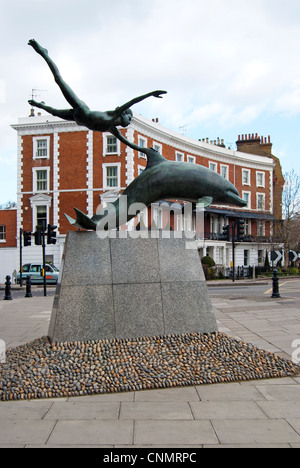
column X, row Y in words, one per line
column 224, row 64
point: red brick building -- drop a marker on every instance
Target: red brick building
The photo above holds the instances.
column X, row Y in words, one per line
column 8, row 242
column 62, row 166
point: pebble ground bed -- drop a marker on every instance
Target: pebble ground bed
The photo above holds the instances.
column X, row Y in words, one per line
column 41, row 369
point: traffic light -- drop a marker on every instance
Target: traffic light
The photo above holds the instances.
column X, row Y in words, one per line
column 38, row 237
column 51, row 234
column 27, row 238
column 226, row 233
column 240, row 229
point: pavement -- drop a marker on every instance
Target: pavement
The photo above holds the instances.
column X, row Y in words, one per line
column 252, row 414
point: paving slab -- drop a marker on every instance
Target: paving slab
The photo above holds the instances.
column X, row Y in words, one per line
column 278, row 392
column 255, row 431
column 83, row 410
column 24, row 431
column 174, row 432
column 91, row 432
column 226, row 410
column 145, row 410
column 229, row 392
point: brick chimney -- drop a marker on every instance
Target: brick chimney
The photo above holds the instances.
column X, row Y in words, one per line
column 252, row 143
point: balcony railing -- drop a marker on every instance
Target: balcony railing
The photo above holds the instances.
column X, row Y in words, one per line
column 255, row 239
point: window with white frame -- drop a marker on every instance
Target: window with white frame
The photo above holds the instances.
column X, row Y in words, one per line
column 179, row 157
column 191, row 159
column 261, row 228
column 142, row 142
column 2, row 233
column 213, row 166
column 111, row 176
column 41, row 179
column 246, row 257
column 247, row 198
column 157, row 147
column 111, row 145
column 41, row 147
column 247, row 227
column 41, row 216
column 260, row 201
column 260, row 179
column 224, row 171
column 246, row 176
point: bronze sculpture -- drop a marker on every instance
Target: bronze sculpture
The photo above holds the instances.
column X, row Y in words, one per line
column 80, row 112
column 162, row 179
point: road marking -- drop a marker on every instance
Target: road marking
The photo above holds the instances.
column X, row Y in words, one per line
column 283, row 284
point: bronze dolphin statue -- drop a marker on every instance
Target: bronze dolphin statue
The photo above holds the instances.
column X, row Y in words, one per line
column 163, row 179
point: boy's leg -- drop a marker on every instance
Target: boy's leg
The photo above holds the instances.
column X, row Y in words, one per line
column 66, row 114
column 68, row 93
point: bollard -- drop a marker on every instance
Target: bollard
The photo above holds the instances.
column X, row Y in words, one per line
column 28, row 287
column 275, row 280
column 7, row 296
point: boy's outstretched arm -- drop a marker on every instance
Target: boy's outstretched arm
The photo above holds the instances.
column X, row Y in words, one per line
column 128, row 104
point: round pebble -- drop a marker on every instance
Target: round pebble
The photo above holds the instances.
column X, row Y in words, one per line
column 41, row 369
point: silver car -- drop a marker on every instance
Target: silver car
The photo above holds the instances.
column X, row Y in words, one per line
column 35, row 271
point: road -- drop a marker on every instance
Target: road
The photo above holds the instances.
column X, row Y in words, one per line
column 289, row 288
column 18, row 293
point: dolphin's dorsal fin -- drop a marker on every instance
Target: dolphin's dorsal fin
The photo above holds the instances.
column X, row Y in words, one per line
column 153, row 157
column 205, row 201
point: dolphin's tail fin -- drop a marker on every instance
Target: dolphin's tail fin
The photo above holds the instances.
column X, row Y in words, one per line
column 82, row 221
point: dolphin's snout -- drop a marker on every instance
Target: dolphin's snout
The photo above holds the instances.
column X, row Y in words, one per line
column 234, row 198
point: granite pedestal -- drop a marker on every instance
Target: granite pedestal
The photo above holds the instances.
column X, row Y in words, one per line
column 129, row 288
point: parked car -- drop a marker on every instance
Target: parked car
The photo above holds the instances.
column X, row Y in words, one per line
column 35, row 270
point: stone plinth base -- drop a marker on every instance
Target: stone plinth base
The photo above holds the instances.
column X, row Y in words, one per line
column 126, row 288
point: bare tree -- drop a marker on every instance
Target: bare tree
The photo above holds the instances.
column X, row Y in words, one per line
column 289, row 226
column 291, row 195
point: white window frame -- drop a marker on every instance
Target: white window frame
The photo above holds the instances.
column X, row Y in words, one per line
column 105, row 145
column 193, row 159
column 39, row 200
column 3, row 241
column 159, row 146
column 214, row 164
column 263, row 184
column 227, row 171
column 145, row 141
column 263, row 195
column 248, row 226
column 34, row 179
column 104, row 167
column 36, row 217
column 260, row 225
column 246, row 257
column 248, row 207
column 248, row 172
column 180, row 155
column 35, row 147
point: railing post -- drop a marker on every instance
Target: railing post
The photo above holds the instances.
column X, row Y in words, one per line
column 7, row 296
column 28, row 287
column 275, row 280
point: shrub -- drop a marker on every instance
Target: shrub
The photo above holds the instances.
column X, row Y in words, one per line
column 208, row 261
column 293, row 271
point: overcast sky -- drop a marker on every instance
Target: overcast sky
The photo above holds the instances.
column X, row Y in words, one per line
column 230, row 66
